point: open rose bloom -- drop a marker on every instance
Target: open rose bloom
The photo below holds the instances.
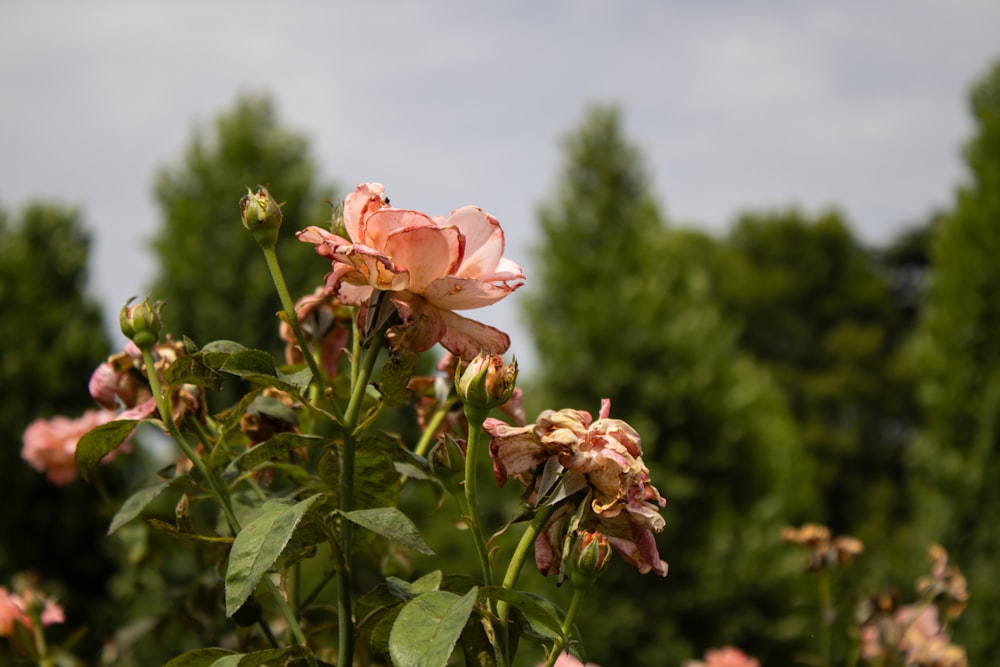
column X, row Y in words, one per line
column 601, row 457
column 430, row 267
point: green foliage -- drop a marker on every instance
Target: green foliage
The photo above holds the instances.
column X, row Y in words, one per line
column 623, row 307
column 819, row 313
column 211, row 271
column 51, row 338
column 956, row 460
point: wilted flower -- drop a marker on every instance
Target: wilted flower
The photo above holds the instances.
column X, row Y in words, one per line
column 946, row 585
column 914, row 632
column 605, row 458
column 50, row 444
column 727, row 656
column 431, row 267
column 821, row 551
column 320, row 323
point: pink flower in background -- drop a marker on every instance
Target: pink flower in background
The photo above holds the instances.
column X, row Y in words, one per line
column 568, row 660
column 14, row 609
column 318, row 320
column 431, row 266
column 726, row 656
column 50, row 444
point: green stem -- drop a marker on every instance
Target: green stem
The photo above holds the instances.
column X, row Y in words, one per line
column 271, row 257
column 827, row 614
column 427, row 438
column 163, row 404
column 347, row 456
column 471, row 505
column 567, row 626
column 520, row 555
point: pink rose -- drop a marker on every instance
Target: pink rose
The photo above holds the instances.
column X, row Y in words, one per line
column 14, row 609
column 603, row 455
column 727, row 656
column 432, row 267
column 568, row 660
column 317, row 314
column 50, row 444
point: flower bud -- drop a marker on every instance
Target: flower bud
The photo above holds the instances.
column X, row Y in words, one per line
column 141, row 323
column 261, row 215
column 590, row 558
column 447, row 461
column 486, row 382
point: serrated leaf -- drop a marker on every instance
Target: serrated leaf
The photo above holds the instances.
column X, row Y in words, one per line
column 300, row 379
column 192, row 370
column 276, row 447
column 200, row 657
column 391, row 524
column 229, row 419
column 258, row 546
column 136, row 503
column 96, row 444
column 249, row 364
column 427, row 628
column 255, row 659
column 539, row 614
column 376, row 482
column 405, row 590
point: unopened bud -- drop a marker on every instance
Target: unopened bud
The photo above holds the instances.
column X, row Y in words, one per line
column 261, row 215
column 590, row 558
column 486, row 382
column 141, row 323
column 447, row 461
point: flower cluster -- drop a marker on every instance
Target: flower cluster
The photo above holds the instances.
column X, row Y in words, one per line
column 24, row 608
column 600, row 459
column 429, row 266
column 821, row 550
column 121, row 383
column 915, row 631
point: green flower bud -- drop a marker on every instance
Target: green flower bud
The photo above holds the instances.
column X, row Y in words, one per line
column 447, row 461
column 261, row 215
column 486, row 382
column 141, row 323
column 590, row 558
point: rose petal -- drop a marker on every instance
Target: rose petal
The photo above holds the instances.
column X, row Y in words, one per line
column 466, row 338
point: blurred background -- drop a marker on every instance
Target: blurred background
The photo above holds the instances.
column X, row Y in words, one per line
column 767, row 230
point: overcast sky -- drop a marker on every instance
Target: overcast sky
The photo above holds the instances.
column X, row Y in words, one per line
column 857, row 104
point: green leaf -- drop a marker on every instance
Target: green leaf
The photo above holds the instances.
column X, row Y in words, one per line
column 230, row 419
column 405, row 590
column 255, row 659
column 93, row 446
column 300, row 379
column 250, row 364
column 427, row 628
column 258, row 546
column 192, row 370
column 136, row 503
column 539, row 614
column 275, row 448
column 392, row 524
column 216, row 353
column 200, row 657
column 376, row 481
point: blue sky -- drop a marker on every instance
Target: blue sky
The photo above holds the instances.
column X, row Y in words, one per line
column 736, row 105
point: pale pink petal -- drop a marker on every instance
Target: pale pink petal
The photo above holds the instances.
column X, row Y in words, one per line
column 484, row 241
column 366, row 199
column 326, row 242
column 452, row 293
column 466, row 338
column 384, row 222
column 514, row 449
column 371, row 267
column 422, row 327
column 425, row 252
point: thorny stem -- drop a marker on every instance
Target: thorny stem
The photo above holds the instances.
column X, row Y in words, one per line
column 567, row 626
column 163, row 404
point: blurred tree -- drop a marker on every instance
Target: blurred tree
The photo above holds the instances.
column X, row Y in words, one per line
column 820, row 312
column 621, row 307
column 51, row 339
column 956, row 462
column 211, row 271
